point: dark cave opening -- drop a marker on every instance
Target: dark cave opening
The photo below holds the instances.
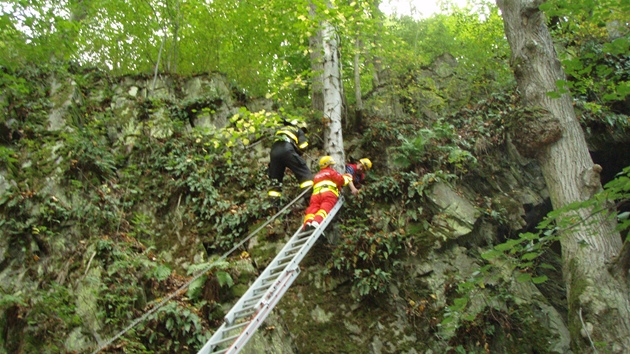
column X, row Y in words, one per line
column 613, row 160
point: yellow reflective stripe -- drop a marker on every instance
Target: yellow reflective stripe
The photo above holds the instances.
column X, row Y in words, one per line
column 325, row 183
column 303, row 145
column 289, row 134
column 324, row 186
column 308, row 217
column 306, row 184
column 274, row 194
column 347, row 178
column 325, row 189
column 322, row 213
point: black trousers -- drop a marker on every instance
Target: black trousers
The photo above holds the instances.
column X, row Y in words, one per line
column 283, row 155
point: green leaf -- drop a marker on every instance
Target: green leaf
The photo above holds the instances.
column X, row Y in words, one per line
column 459, row 304
column 194, row 289
column 508, row 245
column 162, row 272
column 225, row 278
column 546, row 266
column 492, row 254
column 529, row 256
column 524, row 277
column 553, row 94
column 530, row 236
column 447, row 320
column 540, row 279
column 469, row 317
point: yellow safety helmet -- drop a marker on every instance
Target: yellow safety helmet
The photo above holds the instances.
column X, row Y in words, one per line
column 366, row 162
column 326, row 161
column 299, row 123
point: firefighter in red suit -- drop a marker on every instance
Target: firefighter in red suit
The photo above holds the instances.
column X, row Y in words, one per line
column 327, row 184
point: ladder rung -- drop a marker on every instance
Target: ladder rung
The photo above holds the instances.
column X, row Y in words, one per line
column 283, row 259
column 225, row 340
column 270, row 278
column 277, row 269
column 236, row 326
column 281, row 264
column 253, row 299
column 261, row 288
column 306, row 232
column 245, row 308
column 244, row 313
column 298, row 243
column 293, row 250
column 222, row 351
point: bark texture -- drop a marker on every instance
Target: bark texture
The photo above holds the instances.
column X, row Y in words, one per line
column 598, row 302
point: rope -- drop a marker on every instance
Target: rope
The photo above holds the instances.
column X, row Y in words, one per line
column 196, row 276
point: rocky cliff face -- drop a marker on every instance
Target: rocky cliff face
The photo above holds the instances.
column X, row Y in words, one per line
column 112, row 195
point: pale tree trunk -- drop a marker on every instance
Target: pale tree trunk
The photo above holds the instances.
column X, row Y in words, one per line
column 317, row 67
column 333, row 138
column 598, row 302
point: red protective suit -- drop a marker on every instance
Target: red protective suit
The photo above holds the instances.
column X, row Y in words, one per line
column 326, row 186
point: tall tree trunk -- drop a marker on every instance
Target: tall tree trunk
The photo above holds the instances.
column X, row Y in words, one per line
column 333, row 137
column 599, row 304
column 317, row 67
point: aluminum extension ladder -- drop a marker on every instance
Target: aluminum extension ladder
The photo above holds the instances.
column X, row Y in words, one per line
column 254, row 306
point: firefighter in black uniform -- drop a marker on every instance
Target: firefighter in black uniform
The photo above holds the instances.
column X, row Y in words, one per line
column 286, row 151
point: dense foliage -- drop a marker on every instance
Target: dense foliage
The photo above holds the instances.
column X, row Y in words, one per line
column 117, row 205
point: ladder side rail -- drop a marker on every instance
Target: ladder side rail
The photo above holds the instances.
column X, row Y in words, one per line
column 240, row 304
column 264, row 311
column 210, row 344
column 229, row 317
column 256, row 320
column 249, row 294
column 277, row 285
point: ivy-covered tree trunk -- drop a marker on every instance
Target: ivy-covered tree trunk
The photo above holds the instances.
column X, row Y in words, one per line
column 333, row 137
column 598, row 302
